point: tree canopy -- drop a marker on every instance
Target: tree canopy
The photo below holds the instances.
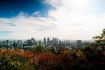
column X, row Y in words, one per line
column 100, row 40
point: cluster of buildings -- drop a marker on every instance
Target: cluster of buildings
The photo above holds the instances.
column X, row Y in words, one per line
column 46, row 42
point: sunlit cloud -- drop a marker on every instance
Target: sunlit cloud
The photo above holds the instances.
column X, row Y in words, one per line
column 71, row 19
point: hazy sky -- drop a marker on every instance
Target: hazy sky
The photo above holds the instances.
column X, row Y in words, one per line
column 65, row 19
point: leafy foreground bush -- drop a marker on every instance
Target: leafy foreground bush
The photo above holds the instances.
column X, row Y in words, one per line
column 19, row 59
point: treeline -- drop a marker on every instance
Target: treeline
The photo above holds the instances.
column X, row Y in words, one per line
column 41, row 58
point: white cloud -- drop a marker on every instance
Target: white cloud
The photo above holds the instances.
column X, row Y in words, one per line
column 75, row 17
column 27, row 26
column 72, row 19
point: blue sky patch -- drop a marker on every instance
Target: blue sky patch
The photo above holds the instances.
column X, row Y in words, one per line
column 5, row 32
column 11, row 8
column 10, row 24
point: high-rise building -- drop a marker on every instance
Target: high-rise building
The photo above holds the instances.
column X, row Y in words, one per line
column 79, row 43
column 45, row 41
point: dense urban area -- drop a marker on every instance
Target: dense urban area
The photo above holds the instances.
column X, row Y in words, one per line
column 46, row 42
column 53, row 54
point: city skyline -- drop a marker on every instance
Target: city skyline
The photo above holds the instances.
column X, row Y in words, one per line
column 45, row 42
column 70, row 19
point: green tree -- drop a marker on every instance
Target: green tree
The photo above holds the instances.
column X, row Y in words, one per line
column 100, row 40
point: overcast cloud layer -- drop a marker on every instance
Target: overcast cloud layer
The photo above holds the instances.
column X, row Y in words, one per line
column 68, row 19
